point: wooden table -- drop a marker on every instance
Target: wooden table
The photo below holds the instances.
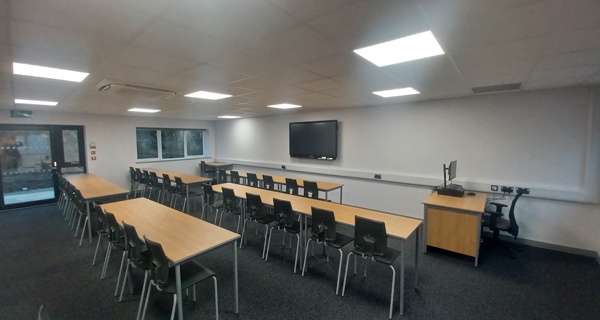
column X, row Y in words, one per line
column 93, row 188
column 280, row 180
column 187, row 179
column 397, row 226
column 454, row 223
column 183, row 237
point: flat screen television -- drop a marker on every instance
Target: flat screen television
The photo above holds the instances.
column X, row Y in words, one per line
column 314, row 139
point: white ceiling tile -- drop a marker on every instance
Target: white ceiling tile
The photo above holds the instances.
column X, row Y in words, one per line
column 569, row 60
column 306, row 9
column 246, row 62
column 146, row 59
column 289, row 75
column 319, row 85
column 337, row 64
column 120, row 72
column 561, row 77
column 579, row 14
column 570, row 41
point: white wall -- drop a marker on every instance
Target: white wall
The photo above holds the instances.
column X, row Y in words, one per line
column 546, row 140
column 116, row 142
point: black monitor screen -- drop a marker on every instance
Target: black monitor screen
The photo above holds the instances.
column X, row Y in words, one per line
column 452, row 170
column 315, row 139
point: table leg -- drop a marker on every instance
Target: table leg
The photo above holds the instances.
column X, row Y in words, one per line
column 235, row 277
column 187, row 198
column 341, row 189
column 402, row 277
column 417, row 256
column 89, row 219
column 425, row 228
column 179, row 295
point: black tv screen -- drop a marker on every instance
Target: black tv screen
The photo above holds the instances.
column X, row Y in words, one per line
column 314, row 139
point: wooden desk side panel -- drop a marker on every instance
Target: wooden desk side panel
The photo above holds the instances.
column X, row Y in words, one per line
column 453, row 231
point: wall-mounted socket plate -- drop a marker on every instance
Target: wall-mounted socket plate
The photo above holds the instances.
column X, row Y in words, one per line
column 377, row 176
column 494, row 187
column 523, row 190
column 506, row 189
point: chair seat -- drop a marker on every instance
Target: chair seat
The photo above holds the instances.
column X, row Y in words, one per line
column 217, row 204
column 340, row 241
column 191, row 273
column 294, row 228
column 389, row 256
column 503, row 224
column 265, row 219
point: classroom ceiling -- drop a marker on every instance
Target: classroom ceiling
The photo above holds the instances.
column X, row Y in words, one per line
column 265, row 52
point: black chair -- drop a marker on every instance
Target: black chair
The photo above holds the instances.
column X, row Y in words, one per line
column 155, row 185
column 168, row 189
column 291, row 186
column 142, row 180
column 210, row 201
column 268, row 182
column 324, row 232
column 311, row 190
column 252, row 180
column 494, row 221
column 138, row 257
column 116, row 241
column 370, row 241
column 184, row 193
column 222, row 178
column 163, row 276
column 206, row 171
column 286, row 221
column 102, row 229
column 231, row 205
column 147, row 183
column 235, row 177
column 256, row 211
column 133, row 180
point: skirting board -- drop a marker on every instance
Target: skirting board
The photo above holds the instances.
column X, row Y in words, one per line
column 549, row 246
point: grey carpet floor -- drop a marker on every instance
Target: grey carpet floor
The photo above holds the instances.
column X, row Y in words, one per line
column 41, row 263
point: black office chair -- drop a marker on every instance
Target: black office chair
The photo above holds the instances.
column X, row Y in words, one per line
column 206, row 171
column 286, row 221
column 142, row 180
column 209, row 201
column 268, row 182
column 168, row 189
column 134, row 181
column 138, row 257
column 323, row 231
column 222, row 178
column 494, row 221
column 155, row 185
column 370, row 241
column 311, row 190
column 235, row 177
column 117, row 241
column 163, row 276
column 184, row 193
column 291, row 186
column 256, row 211
column 252, row 180
column 231, row 205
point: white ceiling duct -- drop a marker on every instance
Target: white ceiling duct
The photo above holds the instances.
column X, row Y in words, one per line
column 122, row 87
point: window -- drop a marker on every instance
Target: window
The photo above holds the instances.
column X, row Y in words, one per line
column 165, row 144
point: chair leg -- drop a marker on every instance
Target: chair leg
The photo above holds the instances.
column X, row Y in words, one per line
column 142, row 295
column 346, row 273
column 120, row 272
column 265, row 242
column 106, row 258
column 243, row 233
column 216, row 298
column 305, row 256
column 124, row 280
column 393, row 286
column 297, row 248
column 96, row 252
column 174, row 306
column 147, row 298
column 337, row 286
column 85, row 223
column 269, row 244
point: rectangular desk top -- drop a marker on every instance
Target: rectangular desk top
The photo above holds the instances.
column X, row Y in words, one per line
column 321, row 185
column 182, row 236
column 217, row 164
column 94, row 187
column 186, row 178
column 396, row 225
column 475, row 204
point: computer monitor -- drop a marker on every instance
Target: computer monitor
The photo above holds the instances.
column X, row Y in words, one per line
column 450, row 171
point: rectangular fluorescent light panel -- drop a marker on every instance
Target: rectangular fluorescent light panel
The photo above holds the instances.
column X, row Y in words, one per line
column 284, row 106
column 208, row 95
column 36, row 102
column 143, row 110
column 396, row 92
column 228, row 117
column 418, row 46
column 46, row 72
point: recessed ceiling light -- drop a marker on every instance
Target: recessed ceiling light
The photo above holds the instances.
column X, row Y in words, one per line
column 143, row 110
column 37, row 102
column 396, row 92
column 284, row 106
column 228, row 117
column 46, row 72
column 417, row 46
column 208, row 95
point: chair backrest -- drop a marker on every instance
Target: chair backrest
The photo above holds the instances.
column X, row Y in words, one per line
column 179, row 184
column 202, row 168
column 160, row 263
column 323, row 224
column 134, row 245
column 114, row 233
column 291, row 186
column 252, row 179
column 140, row 175
column 268, row 182
column 229, row 199
column 146, row 177
column 222, row 176
column 154, row 178
column 254, row 206
column 235, row 177
column 132, row 174
column 311, row 190
column 208, row 195
column 514, row 227
column 166, row 180
column 284, row 215
column 370, row 236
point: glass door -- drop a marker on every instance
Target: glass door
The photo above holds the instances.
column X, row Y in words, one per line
column 29, row 154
